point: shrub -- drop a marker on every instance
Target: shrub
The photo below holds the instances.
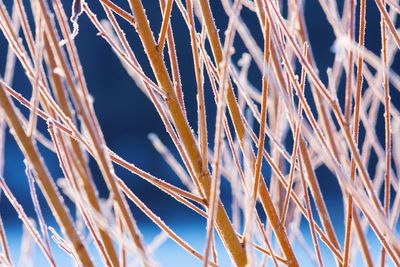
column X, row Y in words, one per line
column 276, row 123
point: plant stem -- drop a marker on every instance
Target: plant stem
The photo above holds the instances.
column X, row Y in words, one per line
column 44, row 180
column 224, row 227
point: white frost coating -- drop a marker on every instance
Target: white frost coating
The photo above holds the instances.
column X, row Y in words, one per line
column 339, row 46
column 59, row 72
column 77, row 9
